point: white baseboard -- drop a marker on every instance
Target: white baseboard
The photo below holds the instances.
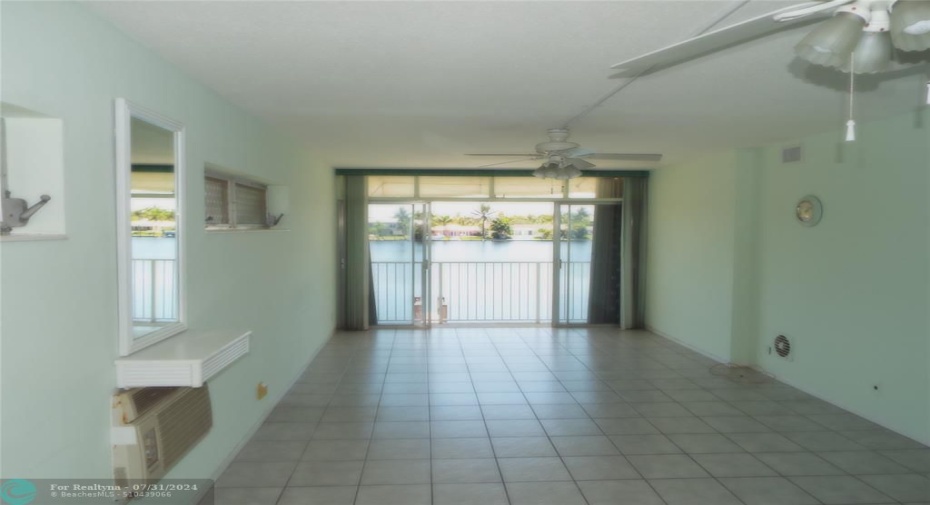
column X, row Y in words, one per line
column 694, row 348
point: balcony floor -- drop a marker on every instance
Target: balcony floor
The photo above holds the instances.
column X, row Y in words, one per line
column 537, row 416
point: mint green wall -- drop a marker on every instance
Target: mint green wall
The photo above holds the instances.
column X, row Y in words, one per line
column 59, row 313
column 852, row 292
column 689, row 284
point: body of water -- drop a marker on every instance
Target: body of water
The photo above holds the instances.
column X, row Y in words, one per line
column 477, row 280
column 477, row 250
column 154, row 248
column 400, row 250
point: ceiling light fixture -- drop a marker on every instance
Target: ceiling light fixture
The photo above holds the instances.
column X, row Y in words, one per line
column 831, row 43
column 867, row 32
column 872, row 54
column 557, row 167
column 910, row 25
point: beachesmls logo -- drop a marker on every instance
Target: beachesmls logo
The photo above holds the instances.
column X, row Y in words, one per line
column 17, row 492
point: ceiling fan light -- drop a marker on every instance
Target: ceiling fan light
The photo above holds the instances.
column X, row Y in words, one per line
column 831, row 43
column 872, row 54
column 547, row 170
column 910, row 25
column 911, row 43
column 570, row 172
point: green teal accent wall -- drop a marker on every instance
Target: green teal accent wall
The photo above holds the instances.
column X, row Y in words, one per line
column 729, row 268
column 690, row 253
column 59, row 305
column 851, row 291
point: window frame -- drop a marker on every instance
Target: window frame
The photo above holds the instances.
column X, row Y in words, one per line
column 232, row 210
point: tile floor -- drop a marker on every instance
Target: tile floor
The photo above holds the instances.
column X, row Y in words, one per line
column 541, row 416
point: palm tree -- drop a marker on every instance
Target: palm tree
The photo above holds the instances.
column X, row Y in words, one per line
column 484, row 214
column 403, row 219
column 443, row 221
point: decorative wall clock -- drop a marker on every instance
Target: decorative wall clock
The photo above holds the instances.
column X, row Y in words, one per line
column 809, row 210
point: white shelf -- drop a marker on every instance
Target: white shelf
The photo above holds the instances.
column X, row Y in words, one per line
column 187, row 359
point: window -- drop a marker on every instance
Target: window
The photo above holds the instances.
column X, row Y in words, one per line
column 454, row 187
column 233, row 202
column 527, row 187
column 390, row 186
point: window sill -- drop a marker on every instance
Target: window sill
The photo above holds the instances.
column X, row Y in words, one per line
column 187, row 359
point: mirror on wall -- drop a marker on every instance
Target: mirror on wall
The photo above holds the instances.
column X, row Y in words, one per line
column 149, row 155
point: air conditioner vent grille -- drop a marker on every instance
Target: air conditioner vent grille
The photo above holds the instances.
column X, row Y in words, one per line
column 145, row 398
column 183, row 423
column 782, row 346
column 791, row 154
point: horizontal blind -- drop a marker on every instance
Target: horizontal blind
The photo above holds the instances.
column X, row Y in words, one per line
column 250, row 205
column 216, row 201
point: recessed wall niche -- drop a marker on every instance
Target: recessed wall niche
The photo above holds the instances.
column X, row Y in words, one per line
column 33, row 166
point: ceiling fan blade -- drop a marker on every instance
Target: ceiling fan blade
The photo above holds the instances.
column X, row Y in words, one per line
column 580, row 163
column 623, row 156
column 511, row 161
column 578, row 152
column 502, row 155
column 723, row 38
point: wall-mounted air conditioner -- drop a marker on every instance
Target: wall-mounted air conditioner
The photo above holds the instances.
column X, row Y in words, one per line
column 154, row 428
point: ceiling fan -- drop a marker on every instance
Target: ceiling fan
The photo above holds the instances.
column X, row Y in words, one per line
column 565, row 160
column 859, row 36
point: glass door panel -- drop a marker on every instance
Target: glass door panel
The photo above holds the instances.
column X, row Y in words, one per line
column 572, row 257
column 399, row 249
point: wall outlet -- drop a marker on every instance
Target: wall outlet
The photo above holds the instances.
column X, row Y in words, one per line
column 261, row 390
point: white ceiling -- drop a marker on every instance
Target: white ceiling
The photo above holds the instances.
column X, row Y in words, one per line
column 418, row 84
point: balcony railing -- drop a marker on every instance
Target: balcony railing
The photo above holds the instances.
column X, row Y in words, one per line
column 461, row 291
column 154, row 297
column 480, row 291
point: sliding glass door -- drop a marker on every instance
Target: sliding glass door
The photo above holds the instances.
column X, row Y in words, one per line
column 491, row 274
column 586, row 258
column 399, row 237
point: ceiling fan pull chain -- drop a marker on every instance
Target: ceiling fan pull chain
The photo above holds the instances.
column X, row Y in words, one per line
column 851, row 124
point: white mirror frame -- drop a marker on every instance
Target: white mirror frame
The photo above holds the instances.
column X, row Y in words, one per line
column 125, row 111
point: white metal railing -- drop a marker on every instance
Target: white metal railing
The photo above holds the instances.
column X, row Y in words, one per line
column 154, row 293
column 480, row 291
column 396, row 284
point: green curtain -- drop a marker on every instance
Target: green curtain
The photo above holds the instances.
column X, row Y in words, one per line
column 604, row 290
column 633, row 253
column 358, row 265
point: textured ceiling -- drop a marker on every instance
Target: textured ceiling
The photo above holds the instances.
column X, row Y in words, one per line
column 418, row 84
